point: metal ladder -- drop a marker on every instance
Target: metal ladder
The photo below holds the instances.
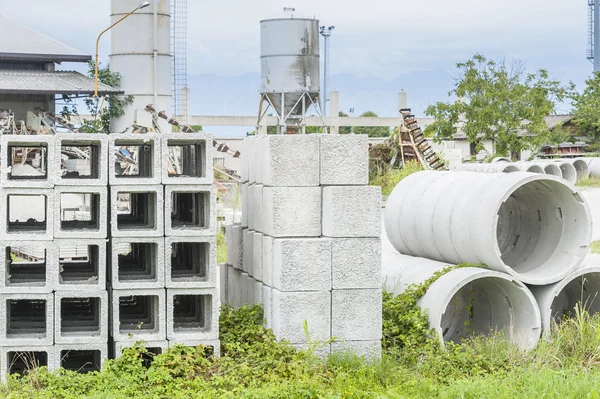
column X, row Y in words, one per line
column 420, row 142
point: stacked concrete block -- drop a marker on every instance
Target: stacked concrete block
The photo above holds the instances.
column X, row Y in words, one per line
column 82, row 264
column 83, row 357
column 75, row 172
column 20, row 359
column 27, row 267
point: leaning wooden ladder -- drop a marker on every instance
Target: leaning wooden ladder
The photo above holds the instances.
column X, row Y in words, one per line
column 426, row 155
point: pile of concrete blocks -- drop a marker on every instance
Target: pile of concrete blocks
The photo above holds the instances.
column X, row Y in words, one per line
column 308, row 247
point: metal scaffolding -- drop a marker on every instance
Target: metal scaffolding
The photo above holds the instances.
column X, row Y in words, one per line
column 179, row 58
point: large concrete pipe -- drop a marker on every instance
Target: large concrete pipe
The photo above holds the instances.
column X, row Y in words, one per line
column 593, row 166
column 535, row 227
column 559, row 300
column 529, row 167
column 569, row 173
column 581, row 167
column 500, row 167
column 550, row 168
column 501, row 159
column 467, row 301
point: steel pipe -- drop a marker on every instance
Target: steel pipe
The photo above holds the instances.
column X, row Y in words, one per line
column 535, row 227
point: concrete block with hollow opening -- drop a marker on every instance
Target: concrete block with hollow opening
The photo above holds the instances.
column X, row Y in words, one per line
column 27, row 266
column 344, row 159
column 137, row 211
column 290, row 160
column 134, row 159
column 190, row 210
column 27, row 161
column 192, row 314
column 355, row 263
column 292, row 211
column 80, row 212
column 80, row 317
column 27, row 319
column 352, row 211
column 257, row 256
column 187, row 158
column 212, row 346
column 137, row 262
column 82, row 264
column 80, row 159
column 82, row 357
column 139, row 314
column 368, row 350
column 20, row 360
column 27, row 214
column 190, row 262
column 356, row 314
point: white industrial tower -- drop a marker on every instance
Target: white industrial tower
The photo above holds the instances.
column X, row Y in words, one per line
column 326, row 33
column 179, row 53
column 594, row 33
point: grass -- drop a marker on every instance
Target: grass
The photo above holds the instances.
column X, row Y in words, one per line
column 221, row 248
column 590, row 182
column 391, row 178
column 595, row 247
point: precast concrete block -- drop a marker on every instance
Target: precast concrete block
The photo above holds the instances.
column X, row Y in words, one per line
column 250, row 148
column 257, row 256
column 229, row 244
column 251, row 206
column 192, row 314
column 259, row 160
column 27, row 161
column 291, row 160
column 213, row 345
column 301, row 264
column 267, row 295
column 291, row 309
column 138, row 315
column 257, row 202
column 27, row 214
column 356, row 314
column 27, row 267
column 356, row 263
column 238, row 245
column 138, row 263
column 223, row 270
column 267, row 269
column 26, row 319
column 187, row 158
column 80, row 317
column 81, row 264
column 190, row 210
column 80, row 159
column 191, row 262
column 233, row 287
column 137, row 210
column 258, row 293
column 154, row 347
column 292, row 211
column 248, row 291
column 248, row 251
column 352, row 211
column 344, row 159
column 80, row 212
column 368, row 350
column 244, row 161
column 134, row 159
column 80, row 357
column 245, row 200
column 19, row 359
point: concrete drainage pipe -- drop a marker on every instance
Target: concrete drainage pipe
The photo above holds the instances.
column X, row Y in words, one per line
column 530, row 167
column 569, row 173
column 551, row 168
column 593, row 166
column 581, row 167
column 500, row 167
column 468, row 301
column 501, row 159
column 559, row 300
column 535, row 227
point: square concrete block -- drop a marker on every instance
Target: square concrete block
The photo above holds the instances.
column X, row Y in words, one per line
column 248, row 251
column 138, row 263
column 19, row 359
column 267, row 295
column 257, row 254
column 139, row 315
column 258, row 293
column 192, row 314
column 26, row 319
column 369, row 350
column 82, row 264
column 257, row 203
column 302, row 264
column 344, row 159
column 83, row 357
column 80, row 212
column 267, row 269
column 356, row 263
column 233, row 287
column 250, row 206
column 80, row 317
column 356, row 315
column 291, row 160
column 291, row 309
column 81, row 159
column 213, row 346
column 27, row 161
column 136, row 211
column 292, row 211
column 191, row 262
column 238, row 245
column 245, row 201
column 154, row 347
column 134, row 159
column 352, row 211
column 247, row 290
column 27, row 266
column 27, row 214
column 190, row 210
column 187, row 158
column 224, row 270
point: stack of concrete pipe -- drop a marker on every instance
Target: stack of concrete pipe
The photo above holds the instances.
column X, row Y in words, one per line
column 593, row 166
column 532, row 232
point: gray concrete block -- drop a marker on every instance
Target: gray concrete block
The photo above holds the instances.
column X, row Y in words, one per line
column 267, row 295
column 37, row 172
column 223, row 279
column 137, row 211
column 192, row 314
column 83, row 357
column 16, row 359
column 238, row 245
column 344, row 159
column 291, row 309
column 356, row 315
column 250, row 149
column 156, row 347
column 267, row 268
column 215, row 344
column 291, row 160
column 247, row 290
column 250, row 208
column 144, row 166
column 82, row 264
column 244, row 158
column 191, row 262
column 194, row 155
column 233, row 287
column 190, row 210
column 138, row 263
column 229, row 244
column 23, row 205
column 139, row 314
column 258, row 293
column 369, row 350
column 352, row 211
column 80, row 212
column 248, row 251
column 26, row 319
column 356, row 263
column 292, row 211
column 257, row 203
column 259, row 160
column 73, row 171
column 301, row 264
column 257, row 253
column 80, row 317
column 245, row 200
column 27, row 266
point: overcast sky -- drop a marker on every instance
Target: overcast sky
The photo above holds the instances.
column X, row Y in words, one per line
column 382, row 38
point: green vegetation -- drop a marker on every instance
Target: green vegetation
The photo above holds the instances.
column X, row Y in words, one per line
column 221, row 248
column 595, row 247
column 390, row 178
column 587, row 108
column 589, row 182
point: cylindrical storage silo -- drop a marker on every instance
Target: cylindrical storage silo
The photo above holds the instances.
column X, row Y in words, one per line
column 535, row 227
column 569, row 173
column 141, row 53
column 500, row 167
column 467, row 301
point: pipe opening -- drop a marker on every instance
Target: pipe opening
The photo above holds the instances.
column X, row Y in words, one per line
column 79, row 161
column 137, row 261
column 78, row 264
column 186, row 159
column 80, row 211
column 510, row 169
column 137, row 313
column 133, row 159
column 568, row 172
column 191, row 312
column 582, row 291
column 23, row 362
column 80, row 316
column 25, row 266
column 136, row 211
column 189, row 261
column 82, row 361
column 26, row 318
column 582, row 169
column 535, row 169
column 553, row 170
column 190, row 210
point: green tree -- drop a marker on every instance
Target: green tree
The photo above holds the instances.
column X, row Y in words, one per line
column 372, row 131
column 498, row 102
column 587, row 108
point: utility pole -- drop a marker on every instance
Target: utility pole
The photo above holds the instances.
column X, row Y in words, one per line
column 326, row 33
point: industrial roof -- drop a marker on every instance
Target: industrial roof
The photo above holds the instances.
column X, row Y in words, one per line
column 19, row 43
column 43, row 82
